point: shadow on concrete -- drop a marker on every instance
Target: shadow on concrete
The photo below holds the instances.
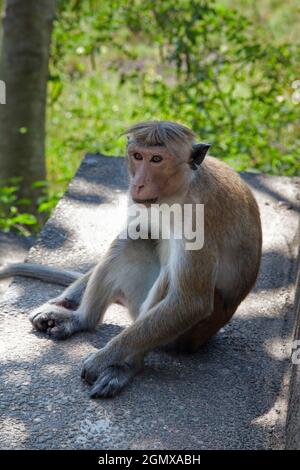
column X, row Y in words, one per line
column 260, row 183
column 105, row 170
column 53, row 235
column 271, row 274
column 212, row 399
column 86, row 198
column 219, row 398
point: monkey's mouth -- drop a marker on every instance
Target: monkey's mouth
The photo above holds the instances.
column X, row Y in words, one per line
column 146, row 202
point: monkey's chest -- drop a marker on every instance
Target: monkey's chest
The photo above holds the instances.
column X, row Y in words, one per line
column 164, row 251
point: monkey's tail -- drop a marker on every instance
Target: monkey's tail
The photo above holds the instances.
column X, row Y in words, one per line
column 41, row 272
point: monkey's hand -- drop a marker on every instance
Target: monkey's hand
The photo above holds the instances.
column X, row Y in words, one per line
column 108, row 376
column 56, row 320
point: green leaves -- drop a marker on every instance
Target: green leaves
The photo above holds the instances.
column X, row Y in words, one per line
column 223, row 71
column 10, row 216
column 199, row 62
column 13, row 214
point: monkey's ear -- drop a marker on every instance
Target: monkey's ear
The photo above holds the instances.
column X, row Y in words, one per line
column 198, row 154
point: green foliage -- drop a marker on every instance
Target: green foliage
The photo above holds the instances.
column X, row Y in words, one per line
column 13, row 213
column 200, row 63
column 226, row 72
column 11, row 218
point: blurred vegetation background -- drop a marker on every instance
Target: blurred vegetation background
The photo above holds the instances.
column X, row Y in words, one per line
column 225, row 68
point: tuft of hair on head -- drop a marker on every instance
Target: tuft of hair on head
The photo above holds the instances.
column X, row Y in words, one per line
column 177, row 138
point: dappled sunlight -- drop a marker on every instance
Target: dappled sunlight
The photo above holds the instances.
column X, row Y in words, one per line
column 279, row 348
column 57, row 369
column 107, row 224
column 52, row 390
column 228, row 72
column 18, row 377
column 267, row 306
column 13, row 432
column 276, row 414
column 104, row 428
column 15, row 293
column 16, row 346
column 281, row 196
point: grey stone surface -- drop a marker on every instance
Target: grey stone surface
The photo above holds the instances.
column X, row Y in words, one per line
column 293, row 416
column 230, row 395
column 13, row 249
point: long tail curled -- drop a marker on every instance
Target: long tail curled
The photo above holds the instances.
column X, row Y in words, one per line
column 41, row 272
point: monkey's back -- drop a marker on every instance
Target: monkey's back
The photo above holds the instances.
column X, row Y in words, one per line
column 232, row 221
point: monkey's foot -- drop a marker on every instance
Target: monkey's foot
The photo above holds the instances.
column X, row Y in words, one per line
column 112, row 381
column 93, row 365
column 107, row 380
column 55, row 320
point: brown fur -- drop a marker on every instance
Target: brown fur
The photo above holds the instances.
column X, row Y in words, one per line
column 171, row 293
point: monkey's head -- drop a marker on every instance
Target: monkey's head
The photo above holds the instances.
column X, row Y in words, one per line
column 161, row 156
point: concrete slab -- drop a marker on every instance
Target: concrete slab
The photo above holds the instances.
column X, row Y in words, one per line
column 230, row 395
column 293, row 416
column 13, row 249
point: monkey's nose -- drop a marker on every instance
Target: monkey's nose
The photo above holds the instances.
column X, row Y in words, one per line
column 139, row 188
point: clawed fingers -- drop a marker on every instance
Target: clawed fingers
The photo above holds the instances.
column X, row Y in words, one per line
column 91, row 368
column 112, row 381
column 107, row 379
column 55, row 321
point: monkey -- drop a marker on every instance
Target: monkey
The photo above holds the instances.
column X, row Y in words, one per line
column 175, row 296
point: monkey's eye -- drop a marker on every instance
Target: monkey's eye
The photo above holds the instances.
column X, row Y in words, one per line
column 137, row 156
column 156, row 159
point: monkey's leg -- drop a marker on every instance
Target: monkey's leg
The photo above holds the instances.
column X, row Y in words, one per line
column 159, row 325
column 128, row 272
column 120, row 274
column 115, row 378
column 200, row 334
column 71, row 297
column 59, row 311
column 156, row 293
column 134, row 276
column 97, row 290
column 162, row 323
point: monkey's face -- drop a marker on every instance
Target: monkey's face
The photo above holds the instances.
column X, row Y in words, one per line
column 156, row 175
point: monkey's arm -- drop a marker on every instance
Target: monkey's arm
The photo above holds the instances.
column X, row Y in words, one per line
column 164, row 322
column 82, row 304
column 60, row 310
column 38, row 271
column 61, row 307
column 182, row 307
column 188, row 299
